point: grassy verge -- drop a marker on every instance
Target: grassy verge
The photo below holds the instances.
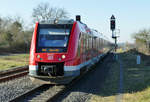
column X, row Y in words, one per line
column 14, row 60
column 110, row 86
column 136, row 80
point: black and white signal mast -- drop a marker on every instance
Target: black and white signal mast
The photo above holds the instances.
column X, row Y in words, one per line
column 113, row 28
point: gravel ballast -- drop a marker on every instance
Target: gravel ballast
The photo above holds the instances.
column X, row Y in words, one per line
column 11, row 89
column 89, row 84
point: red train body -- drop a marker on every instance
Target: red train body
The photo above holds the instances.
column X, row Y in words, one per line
column 61, row 50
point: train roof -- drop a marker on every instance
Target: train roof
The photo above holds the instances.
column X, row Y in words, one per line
column 92, row 32
column 56, row 21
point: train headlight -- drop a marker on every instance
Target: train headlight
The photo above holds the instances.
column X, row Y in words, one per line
column 38, row 56
column 63, row 56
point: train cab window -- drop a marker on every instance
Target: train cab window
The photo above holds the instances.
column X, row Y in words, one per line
column 52, row 37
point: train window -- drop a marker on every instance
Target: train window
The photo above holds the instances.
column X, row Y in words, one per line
column 88, row 42
column 79, row 36
column 53, row 37
column 86, row 38
column 83, row 42
column 79, row 45
column 92, row 42
column 99, row 44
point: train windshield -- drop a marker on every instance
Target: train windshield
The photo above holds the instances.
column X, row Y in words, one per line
column 53, row 36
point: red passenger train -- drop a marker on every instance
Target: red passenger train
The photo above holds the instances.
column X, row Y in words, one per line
column 61, row 50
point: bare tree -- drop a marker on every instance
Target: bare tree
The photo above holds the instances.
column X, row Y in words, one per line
column 43, row 12
column 142, row 40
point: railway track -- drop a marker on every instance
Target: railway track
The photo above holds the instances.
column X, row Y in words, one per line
column 46, row 92
column 42, row 93
column 13, row 73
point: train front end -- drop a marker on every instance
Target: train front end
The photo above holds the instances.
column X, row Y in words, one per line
column 49, row 51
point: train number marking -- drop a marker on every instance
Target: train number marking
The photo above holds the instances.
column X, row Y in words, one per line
column 50, row 57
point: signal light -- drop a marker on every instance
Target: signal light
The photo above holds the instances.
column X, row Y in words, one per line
column 112, row 23
column 112, row 26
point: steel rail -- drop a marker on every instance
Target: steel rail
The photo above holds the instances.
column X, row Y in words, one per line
column 13, row 73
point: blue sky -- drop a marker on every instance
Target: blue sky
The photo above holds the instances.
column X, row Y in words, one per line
column 131, row 15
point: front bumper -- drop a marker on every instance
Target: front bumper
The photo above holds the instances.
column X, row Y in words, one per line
column 51, row 80
column 68, row 76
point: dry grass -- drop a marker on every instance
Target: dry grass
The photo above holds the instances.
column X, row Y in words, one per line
column 15, row 60
column 141, row 96
column 136, row 80
column 96, row 98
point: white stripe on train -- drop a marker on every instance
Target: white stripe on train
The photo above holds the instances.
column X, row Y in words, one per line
column 78, row 67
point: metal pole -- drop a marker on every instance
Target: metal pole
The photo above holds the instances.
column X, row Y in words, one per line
column 115, row 44
column 115, row 38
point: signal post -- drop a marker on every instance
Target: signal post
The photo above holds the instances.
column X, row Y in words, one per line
column 113, row 27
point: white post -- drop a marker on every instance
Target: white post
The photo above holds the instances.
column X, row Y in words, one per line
column 138, row 59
